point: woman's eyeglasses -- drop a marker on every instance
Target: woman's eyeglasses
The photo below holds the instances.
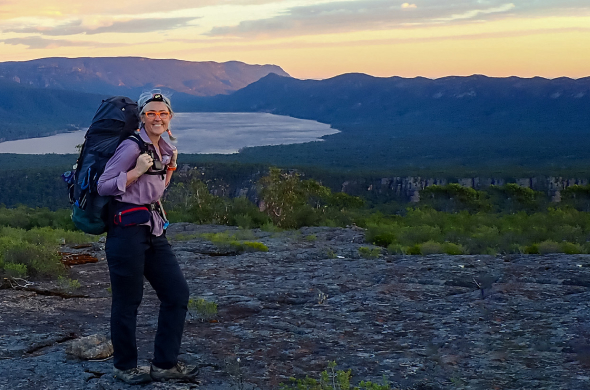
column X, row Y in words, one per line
column 161, row 115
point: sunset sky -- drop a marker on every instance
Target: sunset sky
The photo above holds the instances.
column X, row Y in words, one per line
column 314, row 38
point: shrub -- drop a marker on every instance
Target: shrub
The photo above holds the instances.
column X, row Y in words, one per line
column 381, row 234
column 549, row 246
column 409, row 235
column 224, row 239
column 431, row 248
column 571, row 248
column 397, row 249
column 67, row 284
column 292, row 203
column 202, row 309
column 270, row 227
column 244, row 221
column 369, row 253
column 332, row 379
column 453, row 249
column 255, row 246
column 15, row 270
column 414, row 250
column 40, row 261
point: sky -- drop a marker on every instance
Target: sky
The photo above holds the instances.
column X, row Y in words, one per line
column 314, row 38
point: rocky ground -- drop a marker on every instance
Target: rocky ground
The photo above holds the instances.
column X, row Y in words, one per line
column 433, row 322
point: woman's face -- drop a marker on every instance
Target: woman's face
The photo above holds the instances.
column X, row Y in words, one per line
column 155, row 124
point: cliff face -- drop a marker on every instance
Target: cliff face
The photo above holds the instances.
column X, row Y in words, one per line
column 424, row 322
column 403, row 189
column 408, row 188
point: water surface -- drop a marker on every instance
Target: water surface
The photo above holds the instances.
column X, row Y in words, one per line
column 200, row 133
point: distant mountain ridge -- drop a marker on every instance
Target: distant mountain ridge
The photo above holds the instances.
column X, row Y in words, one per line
column 133, row 75
column 29, row 112
column 388, row 122
column 352, row 98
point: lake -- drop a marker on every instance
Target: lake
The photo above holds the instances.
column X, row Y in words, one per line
column 214, row 132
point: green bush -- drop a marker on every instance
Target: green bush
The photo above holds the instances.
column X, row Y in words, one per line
column 397, row 249
column 15, row 270
column 453, row 249
column 481, row 233
column 236, row 240
column 381, row 234
column 67, row 284
column 369, row 253
column 23, row 217
column 332, row 379
column 202, row 309
column 254, row 246
column 549, row 246
column 40, row 261
column 571, row 248
column 431, row 248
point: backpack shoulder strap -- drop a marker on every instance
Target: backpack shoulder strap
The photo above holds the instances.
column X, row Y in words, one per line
column 141, row 143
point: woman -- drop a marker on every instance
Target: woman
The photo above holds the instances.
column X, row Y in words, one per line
column 136, row 246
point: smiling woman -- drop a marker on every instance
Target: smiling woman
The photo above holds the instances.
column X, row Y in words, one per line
column 136, row 246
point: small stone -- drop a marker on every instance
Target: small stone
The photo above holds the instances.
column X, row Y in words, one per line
column 91, row 347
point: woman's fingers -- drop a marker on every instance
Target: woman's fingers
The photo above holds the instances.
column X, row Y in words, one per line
column 144, row 162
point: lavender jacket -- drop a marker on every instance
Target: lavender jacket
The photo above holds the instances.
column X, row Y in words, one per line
column 145, row 190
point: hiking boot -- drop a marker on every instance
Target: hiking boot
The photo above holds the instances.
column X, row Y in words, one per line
column 133, row 376
column 180, row 371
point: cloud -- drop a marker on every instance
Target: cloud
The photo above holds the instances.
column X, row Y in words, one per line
column 347, row 16
column 478, row 12
column 42, row 43
column 237, row 45
column 75, row 27
column 22, row 8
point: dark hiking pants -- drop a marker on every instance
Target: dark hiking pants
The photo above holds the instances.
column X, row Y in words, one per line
column 133, row 252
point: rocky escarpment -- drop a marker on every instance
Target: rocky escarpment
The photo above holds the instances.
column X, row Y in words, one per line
column 398, row 188
column 433, row 322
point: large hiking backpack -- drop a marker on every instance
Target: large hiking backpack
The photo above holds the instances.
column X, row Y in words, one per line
column 115, row 120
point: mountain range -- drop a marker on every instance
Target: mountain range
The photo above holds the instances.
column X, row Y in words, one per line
column 133, row 75
column 384, row 122
column 472, row 101
column 51, row 95
column 389, row 122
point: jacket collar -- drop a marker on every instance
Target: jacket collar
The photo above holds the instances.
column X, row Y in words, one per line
column 165, row 147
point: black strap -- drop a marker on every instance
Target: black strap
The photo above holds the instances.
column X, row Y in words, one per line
column 143, row 148
column 141, row 143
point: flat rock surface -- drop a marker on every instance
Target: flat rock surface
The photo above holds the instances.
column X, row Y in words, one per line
column 423, row 322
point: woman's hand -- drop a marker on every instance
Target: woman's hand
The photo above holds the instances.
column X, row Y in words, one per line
column 144, row 162
column 173, row 158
